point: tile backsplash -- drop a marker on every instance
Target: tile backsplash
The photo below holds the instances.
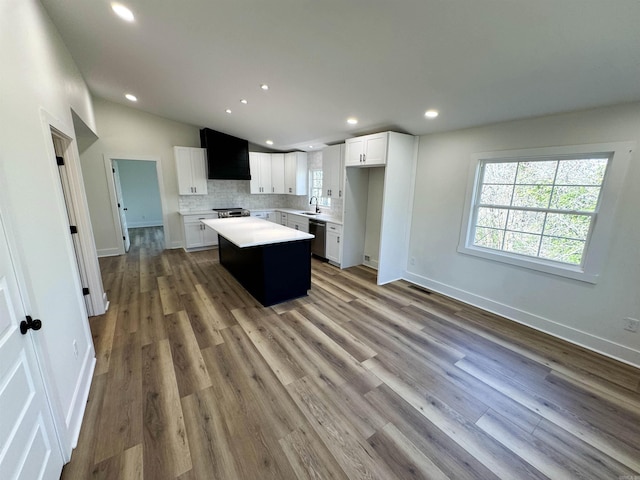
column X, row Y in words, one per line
column 236, row 193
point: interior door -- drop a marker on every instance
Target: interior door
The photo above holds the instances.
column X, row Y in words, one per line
column 28, row 445
column 121, row 208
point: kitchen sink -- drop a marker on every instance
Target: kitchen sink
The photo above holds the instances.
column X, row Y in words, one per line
column 309, row 213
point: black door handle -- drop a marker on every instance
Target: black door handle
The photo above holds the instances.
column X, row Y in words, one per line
column 30, row 323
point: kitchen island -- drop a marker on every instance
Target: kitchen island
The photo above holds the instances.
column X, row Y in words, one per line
column 271, row 261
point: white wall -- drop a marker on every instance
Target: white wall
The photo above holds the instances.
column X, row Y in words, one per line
column 126, row 133
column 39, row 86
column 140, row 193
column 587, row 314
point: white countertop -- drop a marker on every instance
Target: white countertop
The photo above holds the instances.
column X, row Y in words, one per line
column 252, row 232
column 322, row 216
column 197, row 212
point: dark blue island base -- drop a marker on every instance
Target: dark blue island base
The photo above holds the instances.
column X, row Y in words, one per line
column 272, row 273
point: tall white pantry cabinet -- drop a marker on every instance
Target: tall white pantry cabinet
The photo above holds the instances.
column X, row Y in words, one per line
column 379, row 185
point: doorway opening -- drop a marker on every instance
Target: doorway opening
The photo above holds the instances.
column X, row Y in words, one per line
column 137, row 197
column 80, row 231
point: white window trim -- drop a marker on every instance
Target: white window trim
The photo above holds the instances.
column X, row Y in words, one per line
column 602, row 229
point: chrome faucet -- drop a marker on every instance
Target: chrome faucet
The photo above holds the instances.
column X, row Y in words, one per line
column 311, row 203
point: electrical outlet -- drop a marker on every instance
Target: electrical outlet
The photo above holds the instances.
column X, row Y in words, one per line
column 75, row 348
column 367, row 258
column 631, row 324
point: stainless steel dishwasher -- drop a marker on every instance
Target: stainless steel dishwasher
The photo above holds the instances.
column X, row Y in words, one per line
column 317, row 228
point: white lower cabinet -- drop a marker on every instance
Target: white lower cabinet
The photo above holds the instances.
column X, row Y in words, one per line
column 196, row 234
column 269, row 215
column 272, row 217
column 333, row 246
column 298, row 222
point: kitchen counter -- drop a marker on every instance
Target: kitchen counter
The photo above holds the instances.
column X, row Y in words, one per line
column 271, row 261
column 251, row 232
column 321, row 216
column 196, row 212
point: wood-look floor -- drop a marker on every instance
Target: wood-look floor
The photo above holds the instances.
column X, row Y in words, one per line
column 195, row 380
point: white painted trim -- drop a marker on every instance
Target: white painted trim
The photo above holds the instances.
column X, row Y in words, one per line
column 109, row 252
column 113, row 202
column 571, row 335
column 108, row 159
column 79, row 399
column 49, row 123
column 599, row 239
column 150, row 223
column 374, row 264
column 87, row 244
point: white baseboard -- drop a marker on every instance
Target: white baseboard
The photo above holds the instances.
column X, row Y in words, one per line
column 571, row 335
column 106, row 301
column 78, row 405
column 371, row 263
column 109, row 252
column 148, row 223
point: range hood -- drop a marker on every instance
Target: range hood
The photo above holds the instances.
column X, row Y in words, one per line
column 227, row 156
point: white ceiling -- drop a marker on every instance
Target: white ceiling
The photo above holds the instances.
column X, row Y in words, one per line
column 382, row 61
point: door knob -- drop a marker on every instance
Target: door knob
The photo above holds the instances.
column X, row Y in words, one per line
column 30, row 323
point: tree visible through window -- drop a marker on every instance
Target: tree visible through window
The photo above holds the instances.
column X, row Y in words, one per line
column 315, row 187
column 542, row 208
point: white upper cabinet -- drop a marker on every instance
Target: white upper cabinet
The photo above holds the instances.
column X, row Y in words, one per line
column 277, row 173
column 367, row 151
column 260, row 166
column 295, row 173
column 333, row 171
column 191, row 170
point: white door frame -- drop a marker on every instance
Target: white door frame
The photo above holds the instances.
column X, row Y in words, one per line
column 68, row 425
column 117, row 183
column 108, row 159
column 97, row 300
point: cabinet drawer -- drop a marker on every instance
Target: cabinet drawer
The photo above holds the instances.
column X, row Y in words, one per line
column 334, row 227
column 196, row 218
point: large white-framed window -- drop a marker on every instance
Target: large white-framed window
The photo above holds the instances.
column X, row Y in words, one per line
column 548, row 209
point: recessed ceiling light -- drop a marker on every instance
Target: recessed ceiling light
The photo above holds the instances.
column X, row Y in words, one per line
column 228, row 110
column 243, row 101
column 131, row 98
column 269, row 142
column 352, row 121
column 264, row 86
column 122, row 11
column 431, row 113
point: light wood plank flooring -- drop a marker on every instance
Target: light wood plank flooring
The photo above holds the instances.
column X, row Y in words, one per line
column 195, row 380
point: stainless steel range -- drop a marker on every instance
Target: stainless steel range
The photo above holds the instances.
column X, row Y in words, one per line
column 232, row 212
